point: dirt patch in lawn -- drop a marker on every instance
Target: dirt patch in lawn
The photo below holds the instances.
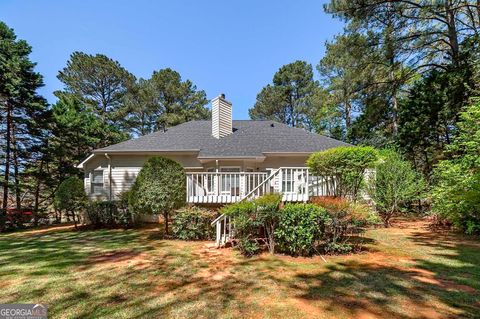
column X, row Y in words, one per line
column 219, row 262
column 46, row 229
column 120, row 258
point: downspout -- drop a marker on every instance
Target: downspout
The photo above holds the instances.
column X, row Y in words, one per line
column 217, row 180
column 109, row 177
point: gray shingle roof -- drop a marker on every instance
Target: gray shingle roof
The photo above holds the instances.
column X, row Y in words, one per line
column 249, row 138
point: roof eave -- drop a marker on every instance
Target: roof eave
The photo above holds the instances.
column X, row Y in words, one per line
column 80, row 166
column 287, row 153
column 147, row 152
column 232, row 157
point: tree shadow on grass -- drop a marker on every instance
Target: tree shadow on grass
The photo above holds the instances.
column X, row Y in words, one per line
column 84, row 282
column 445, row 283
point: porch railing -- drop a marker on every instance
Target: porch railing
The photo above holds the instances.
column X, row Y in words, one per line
column 294, row 183
column 222, row 187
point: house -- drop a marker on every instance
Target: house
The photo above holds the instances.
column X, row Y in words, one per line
column 225, row 160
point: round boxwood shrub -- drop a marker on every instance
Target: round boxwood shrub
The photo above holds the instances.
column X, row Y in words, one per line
column 193, row 223
column 299, row 227
column 159, row 188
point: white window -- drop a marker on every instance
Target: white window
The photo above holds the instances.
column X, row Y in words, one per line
column 97, row 182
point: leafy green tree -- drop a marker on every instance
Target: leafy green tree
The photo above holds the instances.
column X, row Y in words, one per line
column 291, row 98
column 428, row 117
column 344, row 168
column 456, row 192
column 23, row 114
column 402, row 41
column 76, row 132
column 98, row 81
column 393, row 185
column 163, row 101
column 159, row 188
column 70, row 197
column 180, row 101
column 343, row 74
column 434, row 30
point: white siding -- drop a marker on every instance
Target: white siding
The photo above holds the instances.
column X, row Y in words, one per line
column 123, row 179
column 221, row 117
column 124, row 170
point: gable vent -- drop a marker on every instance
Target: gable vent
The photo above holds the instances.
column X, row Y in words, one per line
column 221, row 117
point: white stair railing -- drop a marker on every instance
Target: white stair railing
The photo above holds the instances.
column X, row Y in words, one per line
column 223, row 223
column 294, row 183
column 262, row 188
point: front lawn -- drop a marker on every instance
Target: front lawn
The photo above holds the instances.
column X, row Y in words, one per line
column 406, row 272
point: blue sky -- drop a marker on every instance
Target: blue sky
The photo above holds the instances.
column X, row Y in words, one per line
column 231, row 47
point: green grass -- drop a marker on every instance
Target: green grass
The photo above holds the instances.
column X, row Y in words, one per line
column 406, row 272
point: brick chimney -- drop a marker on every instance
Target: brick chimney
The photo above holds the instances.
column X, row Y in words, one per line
column 221, row 117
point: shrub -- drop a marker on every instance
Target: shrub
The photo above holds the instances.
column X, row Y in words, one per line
column 70, row 197
column 109, row 214
column 248, row 247
column 355, row 213
column 346, row 219
column 394, row 185
column 193, row 223
column 456, row 193
column 247, row 226
column 299, row 227
column 268, row 214
column 346, row 165
column 159, row 188
column 17, row 218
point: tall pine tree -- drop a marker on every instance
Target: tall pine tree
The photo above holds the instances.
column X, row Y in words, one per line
column 22, row 114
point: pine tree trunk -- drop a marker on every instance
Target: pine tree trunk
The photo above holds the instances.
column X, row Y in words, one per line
column 394, row 113
column 7, row 167
column 18, row 200
column 74, row 219
column 452, row 33
column 478, row 11
column 37, row 194
column 348, row 116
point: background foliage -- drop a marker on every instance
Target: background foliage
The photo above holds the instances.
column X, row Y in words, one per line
column 456, row 192
column 394, row 185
